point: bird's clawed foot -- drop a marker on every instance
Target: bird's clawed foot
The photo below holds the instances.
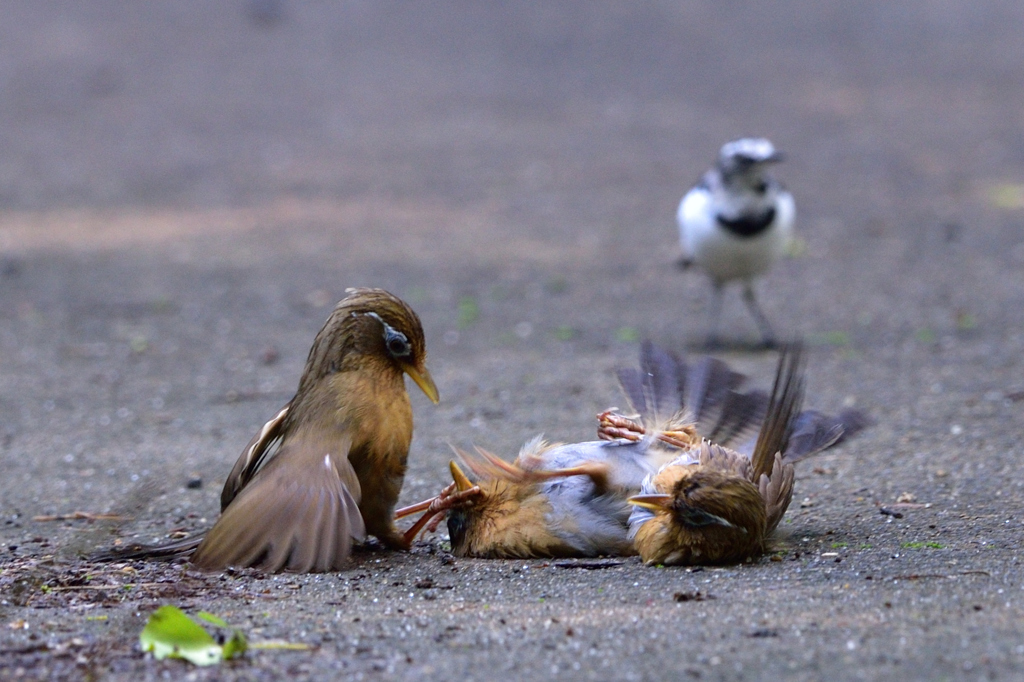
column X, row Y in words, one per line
column 683, row 439
column 613, row 426
column 435, row 508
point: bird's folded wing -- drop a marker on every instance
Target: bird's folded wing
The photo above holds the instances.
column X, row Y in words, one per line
column 300, row 513
column 252, row 457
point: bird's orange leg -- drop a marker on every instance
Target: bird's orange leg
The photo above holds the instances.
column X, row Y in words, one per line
column 421, row 506
column 436, row 507
column 597, row 472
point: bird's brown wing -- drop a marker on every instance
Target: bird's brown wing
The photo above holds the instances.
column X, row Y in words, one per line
column 299, row 513
column 252, row 457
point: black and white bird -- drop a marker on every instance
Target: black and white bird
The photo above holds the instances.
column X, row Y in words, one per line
column 735, row 223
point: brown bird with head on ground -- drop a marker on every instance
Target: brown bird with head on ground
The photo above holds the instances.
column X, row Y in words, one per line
column 715, row 505
column 572, row 500
column 327, row 470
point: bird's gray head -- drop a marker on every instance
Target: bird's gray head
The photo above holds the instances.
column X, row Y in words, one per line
column 746, row 154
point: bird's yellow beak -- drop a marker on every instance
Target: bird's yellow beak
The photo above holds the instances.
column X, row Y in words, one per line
column 462, row 482
column 424, row 381
column 655, row 502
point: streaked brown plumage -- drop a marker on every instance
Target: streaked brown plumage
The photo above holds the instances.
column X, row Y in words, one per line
column 715, row 505
column 327, row 470
column 552, row 501
column 569, row 500
column 702, row 515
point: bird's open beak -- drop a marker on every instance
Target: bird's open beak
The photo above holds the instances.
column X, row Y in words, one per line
column 462, row 482
column 654, row 502
column 424, row 381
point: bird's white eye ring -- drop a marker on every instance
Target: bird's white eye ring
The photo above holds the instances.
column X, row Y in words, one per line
column 397, row 343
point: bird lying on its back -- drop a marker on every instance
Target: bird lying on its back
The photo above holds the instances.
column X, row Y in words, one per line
column 714, row 504
column 328, row 468
column 573, row 500
column 736, row 222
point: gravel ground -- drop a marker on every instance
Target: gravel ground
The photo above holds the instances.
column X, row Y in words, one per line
column 186, row 188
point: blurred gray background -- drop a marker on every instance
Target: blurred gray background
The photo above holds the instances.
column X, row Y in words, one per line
column 187, row 187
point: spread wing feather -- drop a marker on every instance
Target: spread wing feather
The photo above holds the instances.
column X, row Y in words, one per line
column 302, row 517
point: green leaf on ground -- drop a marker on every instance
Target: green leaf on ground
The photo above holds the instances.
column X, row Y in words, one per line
column 170, row 633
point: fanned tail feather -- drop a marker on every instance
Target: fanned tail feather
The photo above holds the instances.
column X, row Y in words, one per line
column 708, row 382
column 654, row 390
column 783, row 410
column 669, row 394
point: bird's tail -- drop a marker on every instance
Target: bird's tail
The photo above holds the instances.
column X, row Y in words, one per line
column 169, row 551
column 783, row 413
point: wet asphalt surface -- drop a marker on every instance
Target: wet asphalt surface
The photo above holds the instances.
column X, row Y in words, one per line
column 186, row 189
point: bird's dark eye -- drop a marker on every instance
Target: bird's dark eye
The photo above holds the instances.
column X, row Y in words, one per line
column 458, row 523
column 397, row 343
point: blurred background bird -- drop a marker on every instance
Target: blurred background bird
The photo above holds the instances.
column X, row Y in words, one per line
column 327, row 469
column 735, row 223
column 714, row 504
column 573, row 500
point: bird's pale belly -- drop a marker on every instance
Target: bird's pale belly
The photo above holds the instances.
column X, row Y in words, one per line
column 725, row 257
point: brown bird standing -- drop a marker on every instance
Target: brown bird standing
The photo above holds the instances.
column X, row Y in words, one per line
column 715, row 505
column 327, row 470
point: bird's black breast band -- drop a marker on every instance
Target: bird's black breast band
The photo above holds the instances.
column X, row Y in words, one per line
column 748, row 225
